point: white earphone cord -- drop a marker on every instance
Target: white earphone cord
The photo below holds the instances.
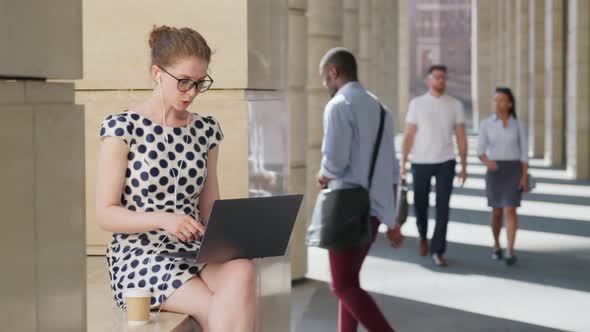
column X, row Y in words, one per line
column 176, row 177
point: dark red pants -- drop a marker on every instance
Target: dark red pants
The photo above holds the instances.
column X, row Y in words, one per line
column 354, row 304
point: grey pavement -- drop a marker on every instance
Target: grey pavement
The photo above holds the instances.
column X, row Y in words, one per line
column 548, row 289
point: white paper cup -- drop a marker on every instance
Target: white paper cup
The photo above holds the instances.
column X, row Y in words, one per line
column 138, row 306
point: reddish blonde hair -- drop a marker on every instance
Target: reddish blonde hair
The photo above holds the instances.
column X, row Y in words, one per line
column 168, row 44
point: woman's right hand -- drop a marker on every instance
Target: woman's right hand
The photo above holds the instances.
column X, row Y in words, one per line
column 492, row 165
column 182, row 226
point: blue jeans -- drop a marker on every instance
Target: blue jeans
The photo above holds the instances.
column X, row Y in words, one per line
column 444, row 174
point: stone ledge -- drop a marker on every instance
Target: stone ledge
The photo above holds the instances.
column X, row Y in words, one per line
column 103, row 315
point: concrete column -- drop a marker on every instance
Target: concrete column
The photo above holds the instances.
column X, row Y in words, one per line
column 483, row 62
column 536, row 78
column 389, row 97
column 577, row 87
column 511, row 49
column 297, row 98
column 554, row 82
column 522, row 61
column 324, row 32
column 350, row 26
column 366, row 47
column 378, row 60
column 42, row 156
column 403, row 46
column 500, row 38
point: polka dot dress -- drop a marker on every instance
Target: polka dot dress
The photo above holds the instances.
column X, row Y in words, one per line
column 163, row 175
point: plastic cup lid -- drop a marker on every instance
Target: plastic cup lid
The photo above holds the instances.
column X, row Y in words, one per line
column 138, row 292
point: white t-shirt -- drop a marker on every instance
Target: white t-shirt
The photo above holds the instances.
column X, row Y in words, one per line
column 435, row 119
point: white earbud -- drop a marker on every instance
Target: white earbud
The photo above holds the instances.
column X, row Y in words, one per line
column 158, row 78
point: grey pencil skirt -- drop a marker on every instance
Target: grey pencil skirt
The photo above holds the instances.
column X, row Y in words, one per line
column 502, row 185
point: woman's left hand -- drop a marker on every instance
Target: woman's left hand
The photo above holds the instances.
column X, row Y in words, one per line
column 524, row 181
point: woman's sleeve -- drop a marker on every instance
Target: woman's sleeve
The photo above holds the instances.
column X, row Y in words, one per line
column 118, row 126
column 214, row 133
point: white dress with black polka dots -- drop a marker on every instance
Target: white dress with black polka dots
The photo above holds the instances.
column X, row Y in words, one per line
column 157, row 170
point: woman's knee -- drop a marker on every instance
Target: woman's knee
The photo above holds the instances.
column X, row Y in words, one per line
column 242, row 272
column 510, row 211
column 497, row 213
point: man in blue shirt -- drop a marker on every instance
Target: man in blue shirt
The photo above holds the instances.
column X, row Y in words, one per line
column 351, row 123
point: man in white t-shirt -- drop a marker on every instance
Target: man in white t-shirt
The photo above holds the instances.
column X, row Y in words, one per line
column 430, row 123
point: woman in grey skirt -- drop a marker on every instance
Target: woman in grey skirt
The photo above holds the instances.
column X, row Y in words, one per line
column 502, row 148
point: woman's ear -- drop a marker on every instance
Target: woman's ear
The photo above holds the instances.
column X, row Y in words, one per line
column 156, row 73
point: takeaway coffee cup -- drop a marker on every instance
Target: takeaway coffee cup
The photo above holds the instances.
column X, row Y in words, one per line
column 138, row 306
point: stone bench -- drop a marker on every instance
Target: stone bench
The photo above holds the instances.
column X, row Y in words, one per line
column 103, row 315
column 274, row 301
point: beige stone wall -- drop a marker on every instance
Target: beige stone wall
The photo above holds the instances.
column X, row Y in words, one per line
column 42, row 174
column 43, row 196
column 41, row 39
column 350, row 26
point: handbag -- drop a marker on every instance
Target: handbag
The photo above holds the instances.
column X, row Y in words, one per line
column 340, row 218
column 402, row 203
column 531, row 181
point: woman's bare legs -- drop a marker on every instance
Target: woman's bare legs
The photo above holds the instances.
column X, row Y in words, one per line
column 222, row 298
column 511, row 226
column 496, row 221
column 192, row 298
column 233, row 306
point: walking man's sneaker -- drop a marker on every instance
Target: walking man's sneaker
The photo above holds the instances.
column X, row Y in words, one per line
column 439, row 260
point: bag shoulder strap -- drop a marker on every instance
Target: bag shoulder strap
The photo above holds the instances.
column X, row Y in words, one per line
column 377, row 145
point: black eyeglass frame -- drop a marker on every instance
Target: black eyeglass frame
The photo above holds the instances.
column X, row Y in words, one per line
column 194, row 83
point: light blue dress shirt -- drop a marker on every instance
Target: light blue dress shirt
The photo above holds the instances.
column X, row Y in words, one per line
column 351, row 125
column 500, row 143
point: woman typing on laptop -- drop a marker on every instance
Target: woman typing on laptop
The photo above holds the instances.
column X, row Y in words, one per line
column 157, row 180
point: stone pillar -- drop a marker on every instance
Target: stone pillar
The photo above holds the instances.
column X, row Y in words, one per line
column 536, row 78
column 554, row 82
column 378, row 60
column 511, row 50
column 42, row 156
column 500, row 38
column 324, row 32
column 483, row 62
column 297, row 96
column 577, row 87
column 350, row 26
column 403, row 60
column 366, row 47
column 522, row 61
column 389, row 97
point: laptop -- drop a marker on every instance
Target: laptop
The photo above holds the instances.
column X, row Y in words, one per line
column 245, row 228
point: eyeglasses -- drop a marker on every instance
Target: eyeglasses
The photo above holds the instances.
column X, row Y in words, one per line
column 185, row 84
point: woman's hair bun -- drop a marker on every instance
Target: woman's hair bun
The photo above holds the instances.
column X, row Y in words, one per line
column 157, row 33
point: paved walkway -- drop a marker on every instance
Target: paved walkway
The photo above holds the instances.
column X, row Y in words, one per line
column 548, row 289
